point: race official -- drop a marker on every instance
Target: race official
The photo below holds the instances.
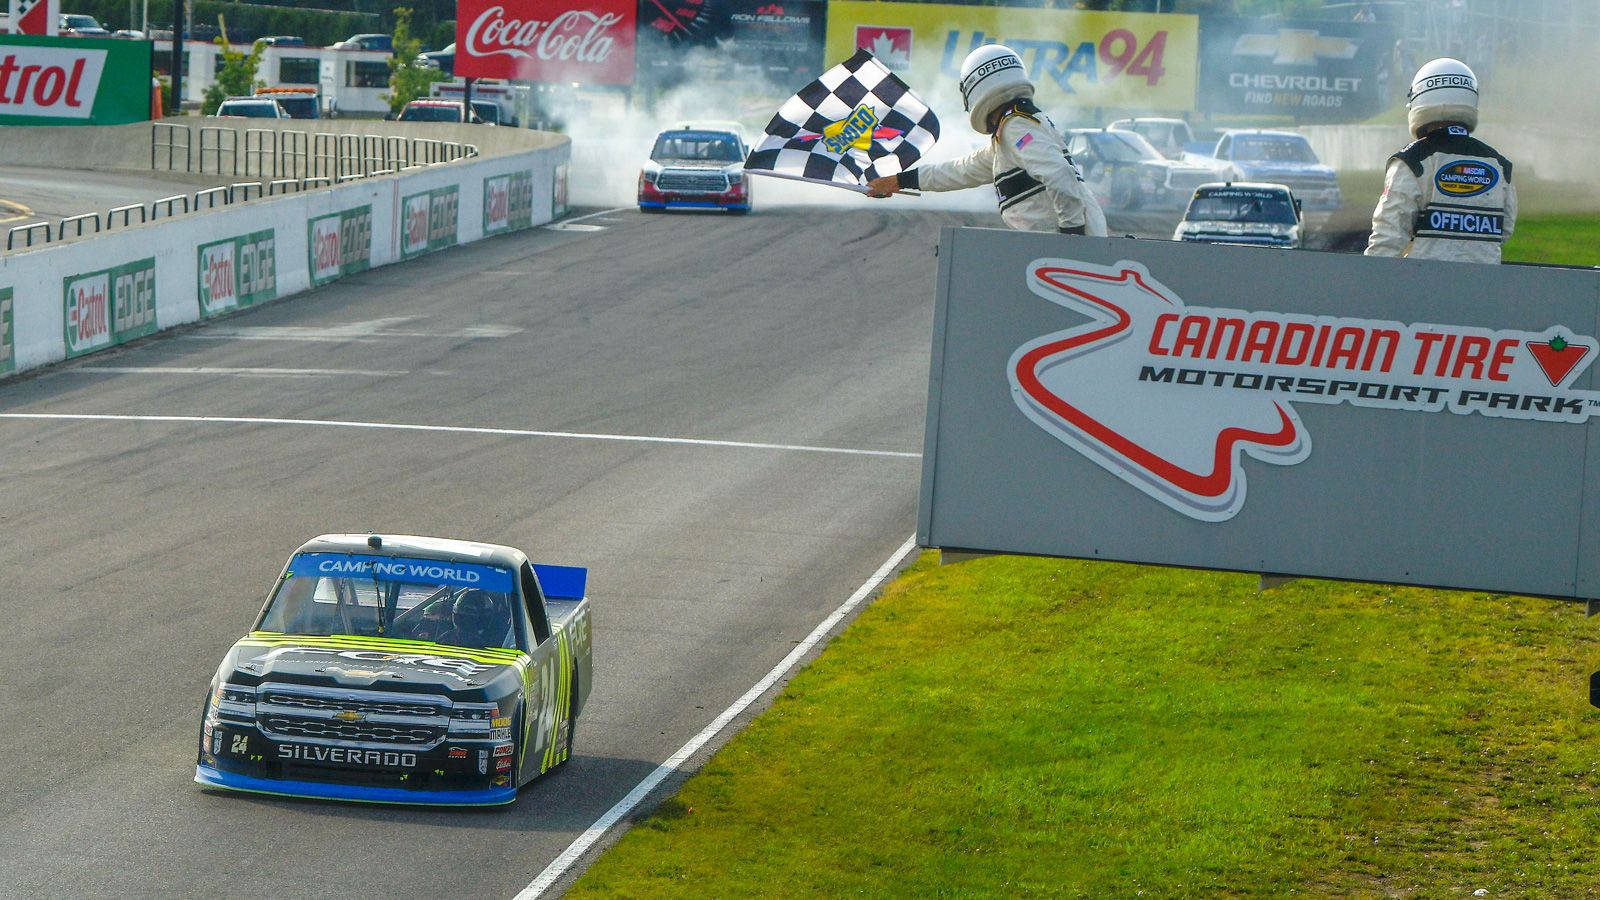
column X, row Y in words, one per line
column 1447, row 195
column 1037, row 185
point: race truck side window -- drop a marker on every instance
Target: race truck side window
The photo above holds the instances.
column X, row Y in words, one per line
column 535, row 601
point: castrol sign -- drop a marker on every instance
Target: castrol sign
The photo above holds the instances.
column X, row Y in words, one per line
column 583, row 41
column 73, row 81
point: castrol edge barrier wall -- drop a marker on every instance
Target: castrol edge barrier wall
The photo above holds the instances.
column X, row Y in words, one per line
column 62, row 301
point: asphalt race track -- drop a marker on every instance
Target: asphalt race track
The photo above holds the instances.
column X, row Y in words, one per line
column 136, row 550
column 30, row 195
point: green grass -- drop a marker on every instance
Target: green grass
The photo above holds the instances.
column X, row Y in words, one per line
column 1017, row 726
column 1032, row 727
column 1572, row 240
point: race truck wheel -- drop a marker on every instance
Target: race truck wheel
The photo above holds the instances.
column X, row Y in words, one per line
column 1124, row 193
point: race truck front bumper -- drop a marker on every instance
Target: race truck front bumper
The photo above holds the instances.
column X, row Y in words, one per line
column 367, row 748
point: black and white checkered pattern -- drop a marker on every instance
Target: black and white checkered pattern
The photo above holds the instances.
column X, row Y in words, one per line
column 793, row 146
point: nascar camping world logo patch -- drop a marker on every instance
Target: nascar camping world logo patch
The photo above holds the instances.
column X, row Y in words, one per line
column 1171, row 398
column 1466, row 178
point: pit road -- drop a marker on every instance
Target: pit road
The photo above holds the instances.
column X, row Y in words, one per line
column 720, row 416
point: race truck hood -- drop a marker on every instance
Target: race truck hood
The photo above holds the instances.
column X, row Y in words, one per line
column 694, row 164
column 374, row 664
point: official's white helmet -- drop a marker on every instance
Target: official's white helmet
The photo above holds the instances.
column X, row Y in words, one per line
column 990, row 76
column 1445, row 90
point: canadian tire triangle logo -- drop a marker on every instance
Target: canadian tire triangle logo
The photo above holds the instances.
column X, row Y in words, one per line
column 1173, row 399
column 1557, row 358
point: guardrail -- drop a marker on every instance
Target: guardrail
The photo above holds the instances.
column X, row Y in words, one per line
column 277, row 154
column 284, row 161
column 178, row 204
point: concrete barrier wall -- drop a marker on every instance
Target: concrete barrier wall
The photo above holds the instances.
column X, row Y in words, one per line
column 71, row 299
column 1543, row 154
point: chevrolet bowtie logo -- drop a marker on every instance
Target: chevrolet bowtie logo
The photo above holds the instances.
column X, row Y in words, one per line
column 348, row 715
column 1295, row 47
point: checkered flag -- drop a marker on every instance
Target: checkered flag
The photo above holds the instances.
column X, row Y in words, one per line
column 855, row 123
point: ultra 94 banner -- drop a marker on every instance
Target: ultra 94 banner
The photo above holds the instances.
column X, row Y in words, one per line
column 585, row 41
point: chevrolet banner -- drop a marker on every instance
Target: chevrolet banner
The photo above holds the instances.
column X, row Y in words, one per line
column 73, row 81
column 1140, row 61
column 1318, row 71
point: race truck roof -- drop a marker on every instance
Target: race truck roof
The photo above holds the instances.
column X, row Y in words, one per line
column 442, row 549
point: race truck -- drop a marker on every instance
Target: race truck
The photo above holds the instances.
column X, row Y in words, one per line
column 1126, row 173
column 1263, row 215
column 402, row 669
column 696, row 167
column 1280, row 157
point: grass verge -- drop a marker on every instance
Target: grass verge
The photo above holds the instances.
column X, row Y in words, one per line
column 1037, row 727
column 1033, row 727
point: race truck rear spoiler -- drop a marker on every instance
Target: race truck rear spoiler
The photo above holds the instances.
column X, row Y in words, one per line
column 562, row 582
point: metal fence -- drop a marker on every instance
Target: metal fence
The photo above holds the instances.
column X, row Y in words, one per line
column 269, row 153
column 281, row 162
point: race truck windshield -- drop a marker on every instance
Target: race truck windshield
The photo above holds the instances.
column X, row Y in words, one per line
column 1272, row 150
column 1242, row 206
column 1124, row 147
column 456, row 603
column 690, row 145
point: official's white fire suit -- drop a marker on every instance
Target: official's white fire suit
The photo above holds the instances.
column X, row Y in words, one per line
column 1037, row 185
column 1446, row 196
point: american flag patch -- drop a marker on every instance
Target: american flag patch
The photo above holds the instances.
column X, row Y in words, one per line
column 1024, row 141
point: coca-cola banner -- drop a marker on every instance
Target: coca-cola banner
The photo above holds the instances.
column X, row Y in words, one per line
column 584, row 41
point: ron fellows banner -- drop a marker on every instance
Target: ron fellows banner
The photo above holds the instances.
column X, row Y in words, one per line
column 73, row 81
column 1103, row 59
column 571, row 41
column 736, row 42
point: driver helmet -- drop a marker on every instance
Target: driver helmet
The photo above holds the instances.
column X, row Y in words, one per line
column 478, row 617
column 991, row 76
column 1443, row 91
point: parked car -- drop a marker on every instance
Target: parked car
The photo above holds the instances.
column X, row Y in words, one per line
column 443, row 60
column 283, row 40
column 78, row 25
column 402, row 669
column 1266, row 215
column 298, row 102
column 1280, row 157
column 1126, row 173
column 128, row 34
column 695, row 169
column 251, row 108
column 366, row 42
column 437, row 111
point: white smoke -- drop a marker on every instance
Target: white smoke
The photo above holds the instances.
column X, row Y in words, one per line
column 612, row 134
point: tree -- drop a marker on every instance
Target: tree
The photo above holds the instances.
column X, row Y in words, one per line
column 237, row 77
column 408, row 77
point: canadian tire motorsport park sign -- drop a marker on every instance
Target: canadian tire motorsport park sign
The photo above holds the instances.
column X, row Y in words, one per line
column 1287, row 412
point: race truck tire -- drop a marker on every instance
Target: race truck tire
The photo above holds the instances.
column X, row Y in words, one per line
column 1124, row 193
column 651, row 209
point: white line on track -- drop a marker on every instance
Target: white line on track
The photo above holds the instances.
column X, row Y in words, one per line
column 561, row 863
column 462, row 429
column 595, row 215
column 241, row 371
